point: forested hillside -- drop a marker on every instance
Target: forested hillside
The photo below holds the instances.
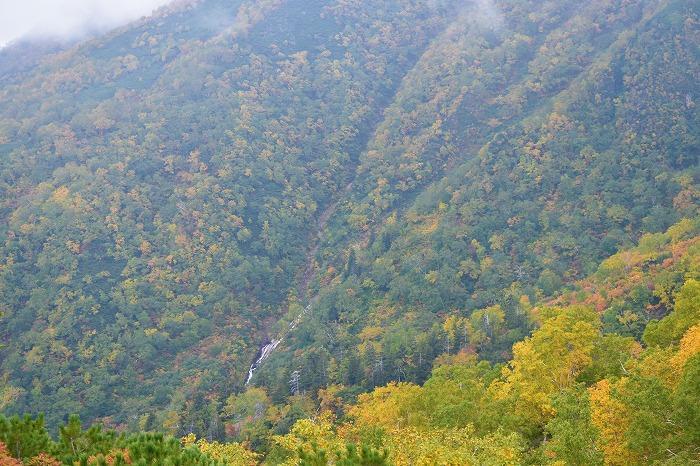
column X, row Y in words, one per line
column 159, row 189
column 577, row 390
column 550, row 150
column 479, row 217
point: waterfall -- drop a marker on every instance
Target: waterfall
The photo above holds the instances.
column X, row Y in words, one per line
column 265, row 352
column 268, row 348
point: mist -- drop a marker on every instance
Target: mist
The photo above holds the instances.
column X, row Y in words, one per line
column 67, row 19
column 488, row 12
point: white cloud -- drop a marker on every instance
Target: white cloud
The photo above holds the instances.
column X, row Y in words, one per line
column 67, row 19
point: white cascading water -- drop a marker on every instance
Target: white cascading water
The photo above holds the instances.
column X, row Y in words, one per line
column 264, row 354
column 267, row 349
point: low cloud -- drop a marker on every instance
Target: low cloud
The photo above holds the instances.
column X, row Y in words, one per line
column 67, row 19
column 489, row 12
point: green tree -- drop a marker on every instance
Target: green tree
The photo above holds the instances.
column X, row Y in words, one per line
column 25, row 436
column 572, row 435
column 686, row 313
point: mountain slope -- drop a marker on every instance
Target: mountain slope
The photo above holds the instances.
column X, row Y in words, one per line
column 174, row 193
column 594, row 144
column 159, row 185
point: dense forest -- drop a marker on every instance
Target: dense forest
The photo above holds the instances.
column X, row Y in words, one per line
column 469, row 228
column 576, row 390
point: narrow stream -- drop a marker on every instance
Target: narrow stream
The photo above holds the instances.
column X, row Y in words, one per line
column 267, row 349
column 265, row 352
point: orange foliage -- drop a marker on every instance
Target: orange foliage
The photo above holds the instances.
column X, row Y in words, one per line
column 43, row 459
column 6, row 459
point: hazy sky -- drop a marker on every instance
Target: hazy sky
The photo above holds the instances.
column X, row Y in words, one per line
column 67, row 18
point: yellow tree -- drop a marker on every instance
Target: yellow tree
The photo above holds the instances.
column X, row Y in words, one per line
column 308, row 435
column 391, row 406
column 547, row 362
column 485, row 324
column 456, row 446
column 610, row 416
column 689, row 347
column 232, row 454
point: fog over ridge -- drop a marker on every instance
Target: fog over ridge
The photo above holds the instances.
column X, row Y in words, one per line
column 67, row 19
